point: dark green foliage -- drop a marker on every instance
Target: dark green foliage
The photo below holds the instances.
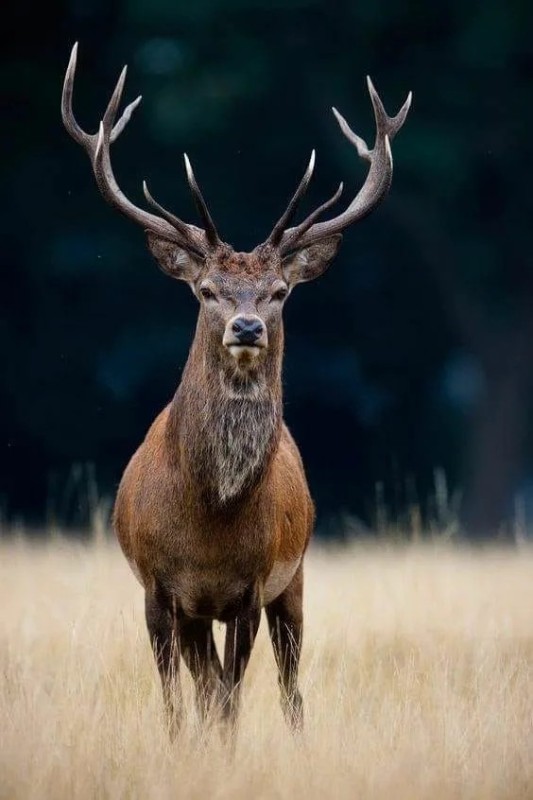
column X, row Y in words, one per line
column 414, row 351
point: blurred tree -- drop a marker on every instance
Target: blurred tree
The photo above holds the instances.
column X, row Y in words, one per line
column 413, row 352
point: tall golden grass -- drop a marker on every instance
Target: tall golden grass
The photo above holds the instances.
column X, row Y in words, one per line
column 417, row 678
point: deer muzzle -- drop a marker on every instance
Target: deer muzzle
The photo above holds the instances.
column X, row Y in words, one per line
column 245, row 336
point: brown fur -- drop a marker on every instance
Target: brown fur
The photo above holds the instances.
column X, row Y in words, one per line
column 213, row 511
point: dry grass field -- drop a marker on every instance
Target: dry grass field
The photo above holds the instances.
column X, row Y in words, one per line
column 417, row 676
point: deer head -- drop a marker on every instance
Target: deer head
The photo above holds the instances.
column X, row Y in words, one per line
column 241, row 294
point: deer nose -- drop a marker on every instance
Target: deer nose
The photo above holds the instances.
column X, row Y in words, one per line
column 247, row 329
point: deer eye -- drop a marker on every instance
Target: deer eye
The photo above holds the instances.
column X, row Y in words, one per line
column 207, row 294
column 280, row 294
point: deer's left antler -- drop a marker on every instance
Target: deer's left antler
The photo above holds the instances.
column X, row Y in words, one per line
column 374, row 189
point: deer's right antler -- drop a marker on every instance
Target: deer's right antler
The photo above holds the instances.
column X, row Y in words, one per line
column 97, row 146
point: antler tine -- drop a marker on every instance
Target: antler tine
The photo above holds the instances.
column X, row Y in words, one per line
column 112, row 108
column 210, row 231
column 114, row 101
column 184, row 234
column 124, row 119
column 67, row 113
column 97, row 146
column 385, row 124
column 377, row 182
column 88, row 140
column 286, row 218
column 359, row 143
column 304, row 226
column 176, row 222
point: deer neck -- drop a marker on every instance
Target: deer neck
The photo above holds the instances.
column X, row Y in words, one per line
column 225, row 424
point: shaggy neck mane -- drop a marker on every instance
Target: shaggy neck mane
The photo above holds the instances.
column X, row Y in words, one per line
column 225, row 424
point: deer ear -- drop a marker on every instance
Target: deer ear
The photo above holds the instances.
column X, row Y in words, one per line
column 310, row 262
column 176, row 261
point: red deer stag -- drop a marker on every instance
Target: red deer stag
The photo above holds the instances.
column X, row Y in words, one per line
column 213, row 512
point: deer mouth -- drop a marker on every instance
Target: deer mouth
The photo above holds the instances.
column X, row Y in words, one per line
column 245, row 351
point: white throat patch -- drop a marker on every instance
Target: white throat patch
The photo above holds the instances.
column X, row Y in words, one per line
column 239, row 432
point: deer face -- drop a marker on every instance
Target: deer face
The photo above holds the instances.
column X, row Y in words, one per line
column 242, row 295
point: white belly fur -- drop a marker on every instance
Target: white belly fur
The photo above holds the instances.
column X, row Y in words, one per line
column 279, row 578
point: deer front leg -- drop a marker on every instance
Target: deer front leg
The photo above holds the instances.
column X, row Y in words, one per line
column 240, row 636
column 162, row 628
column 200, row 655
column 285, row 622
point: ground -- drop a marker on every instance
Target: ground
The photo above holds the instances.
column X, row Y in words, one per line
column 417, row 677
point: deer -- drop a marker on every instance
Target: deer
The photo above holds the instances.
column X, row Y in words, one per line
column 213, row 512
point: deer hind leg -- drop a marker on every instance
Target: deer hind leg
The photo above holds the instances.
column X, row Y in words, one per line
column 162, row 628
column 240, row 637
column 285, row 622
column 200, row 655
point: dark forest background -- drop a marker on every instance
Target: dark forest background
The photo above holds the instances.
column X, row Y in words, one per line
column 408, row 364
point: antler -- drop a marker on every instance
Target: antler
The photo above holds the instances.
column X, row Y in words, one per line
column 374, row 189
column 97, row 147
